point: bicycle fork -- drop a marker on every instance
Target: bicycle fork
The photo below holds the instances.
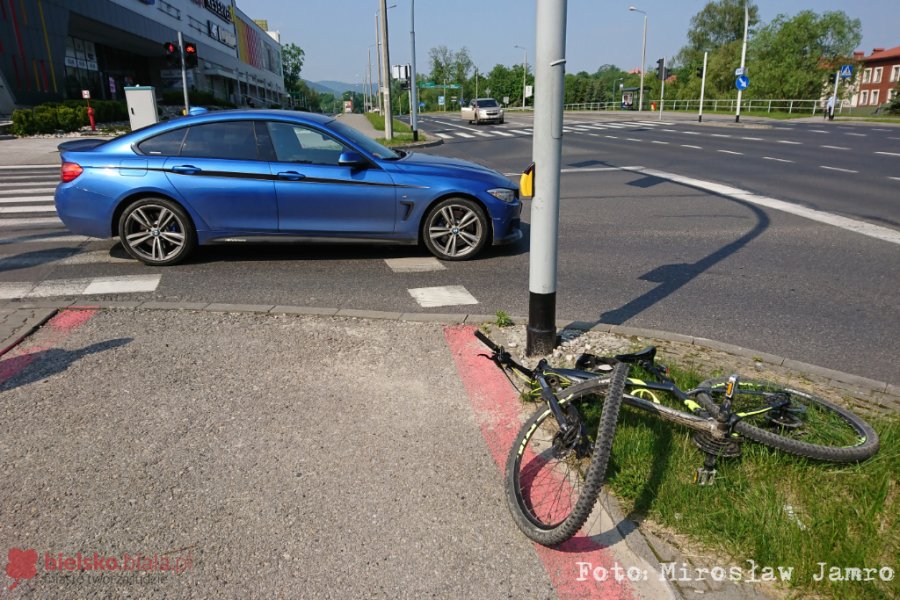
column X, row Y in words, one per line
column 714, row 448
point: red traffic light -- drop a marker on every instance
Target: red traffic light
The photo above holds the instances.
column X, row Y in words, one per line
column 170, row 48
column 190, row 49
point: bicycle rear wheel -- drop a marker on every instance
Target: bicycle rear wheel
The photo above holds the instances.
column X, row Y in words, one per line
column 807, row 425
column 553, row 480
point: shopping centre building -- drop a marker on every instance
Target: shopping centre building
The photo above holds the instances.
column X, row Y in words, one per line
column 54, row 49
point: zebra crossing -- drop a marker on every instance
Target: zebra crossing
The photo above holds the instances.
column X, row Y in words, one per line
column 469, row 133
column 36, row 249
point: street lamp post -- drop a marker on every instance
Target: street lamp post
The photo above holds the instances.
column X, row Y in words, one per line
column 524, row 72
column 387, row 108
column 643, row 57
column 413, row 83
column 614, row 87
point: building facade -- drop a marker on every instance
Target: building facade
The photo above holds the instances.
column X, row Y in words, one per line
column 53, row 49
column 878, row 77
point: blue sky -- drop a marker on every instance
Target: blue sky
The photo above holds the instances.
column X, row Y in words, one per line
column 335, row 34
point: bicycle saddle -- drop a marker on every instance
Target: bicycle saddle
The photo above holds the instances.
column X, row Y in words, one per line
column 648, row 354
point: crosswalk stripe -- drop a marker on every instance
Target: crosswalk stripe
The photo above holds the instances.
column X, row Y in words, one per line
column 45, row 239
column 25, row 199
column 40, row 208
column 414, row 264
column 465, row 135
column 614, row 125
column 127, row 284
column 503, row 133
column 40, row 221
column 446, row 136
column 59, row 256
column 20, row 167
column 483, row 134
column 450, row 295
column 27, row 191
column 520, row 131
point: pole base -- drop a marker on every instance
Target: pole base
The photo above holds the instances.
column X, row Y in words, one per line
column 541, row 329
column 737, row 118
column 415, row 135
column 700, row 119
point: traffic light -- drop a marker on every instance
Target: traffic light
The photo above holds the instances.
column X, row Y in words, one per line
column 700, row 72
column 171, row 53
column 190, row 55
column 661, row 69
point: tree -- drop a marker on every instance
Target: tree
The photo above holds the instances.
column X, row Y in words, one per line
column 714, row 29
column 292, row 57
column 441, row 58
column 796, row 57
column 894, row 107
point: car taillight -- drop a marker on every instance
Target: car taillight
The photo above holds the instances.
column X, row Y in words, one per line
column 70, row 171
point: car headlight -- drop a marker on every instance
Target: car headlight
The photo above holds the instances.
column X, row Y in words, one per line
column 503, row 194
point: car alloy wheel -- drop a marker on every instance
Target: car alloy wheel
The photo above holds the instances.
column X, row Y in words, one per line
column 156, row 232
column 456, row 229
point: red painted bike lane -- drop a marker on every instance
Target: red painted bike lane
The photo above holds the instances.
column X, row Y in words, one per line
column 498, row 410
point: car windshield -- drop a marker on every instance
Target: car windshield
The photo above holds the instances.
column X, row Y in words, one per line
column 364, row 142
column 489, row 103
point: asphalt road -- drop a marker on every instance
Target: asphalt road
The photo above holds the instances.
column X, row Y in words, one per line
column 634, row 249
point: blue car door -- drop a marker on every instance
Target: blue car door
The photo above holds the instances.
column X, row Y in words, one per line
column 316, row 195
column 220, row 175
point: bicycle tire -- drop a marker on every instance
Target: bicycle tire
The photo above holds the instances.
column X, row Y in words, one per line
column 832, row 433
column 521, row 494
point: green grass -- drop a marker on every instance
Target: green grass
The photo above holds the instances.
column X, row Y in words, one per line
column 503, row 319
column 377, row 122
column 768, row 506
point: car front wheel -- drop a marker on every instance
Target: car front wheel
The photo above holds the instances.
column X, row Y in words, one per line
column 455, row 229
column 157, row 232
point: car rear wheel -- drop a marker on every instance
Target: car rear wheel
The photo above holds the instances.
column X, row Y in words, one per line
column 455, row 229
column 157, row 232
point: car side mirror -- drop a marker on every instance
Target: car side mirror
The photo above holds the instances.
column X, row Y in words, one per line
column 349, row 158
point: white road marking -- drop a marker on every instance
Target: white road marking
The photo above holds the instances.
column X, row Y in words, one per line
column 722, row 135
column 503, row 133
column 43, row 190
column 861, row 227
column 658, row 142
column 594, row 134
column 483, row 134
column 818, row 131
column 894, row 178
column 40, row 208
column 43, row 179
column 465, row 135
column 41, row 221
column 529, row 129
column 594, row 169
column 784, row 160
column 614, row 125
column 752, row 139
column 856, row 134
column 128, row 284
column 838, row 169
column 24, row 199
column 691, row 132
column 694, row 147
column 455, row 125
column 789, row 142
column 880, row 129
column 18, row 167
column 520, row 131
column 730, row 152
column 415, row 264
column 670, row 130
column 634, row 140
column 836, row 147
column 598, row 126
column 612, row 137
column 446, row 136
column 45, row 239
column 889, row 153
column 450, row 295
column 894, row 138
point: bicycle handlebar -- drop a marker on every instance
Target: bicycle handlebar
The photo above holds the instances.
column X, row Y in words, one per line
column 487, row 341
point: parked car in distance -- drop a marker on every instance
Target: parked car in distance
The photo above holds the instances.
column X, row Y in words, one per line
column 275, row 175
column 482, row 110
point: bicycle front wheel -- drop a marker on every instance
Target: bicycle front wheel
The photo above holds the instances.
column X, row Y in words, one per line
column 793, row 420
column 553, row 479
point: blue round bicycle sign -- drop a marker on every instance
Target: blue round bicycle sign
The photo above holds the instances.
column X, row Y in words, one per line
column 742, row 82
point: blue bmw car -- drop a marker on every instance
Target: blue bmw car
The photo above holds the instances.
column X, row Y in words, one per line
column 272, row 175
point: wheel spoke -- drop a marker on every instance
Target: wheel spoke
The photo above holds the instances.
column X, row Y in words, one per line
column 437, row 232
column 165, row 216
column 139, row 216
column 467, row 220
column 136, row 239
column 447, row 213
column 471, row 240
column 173, row 237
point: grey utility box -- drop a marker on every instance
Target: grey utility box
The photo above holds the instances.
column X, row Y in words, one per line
column 141, row 106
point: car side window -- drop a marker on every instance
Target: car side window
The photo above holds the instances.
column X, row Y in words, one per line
column 164, row 144
column 299, row 144
column 231, row 139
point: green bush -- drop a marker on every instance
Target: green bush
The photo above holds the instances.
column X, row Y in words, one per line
column 23, row 122
column 195, row 98
column 69, row 118
column 45, row 117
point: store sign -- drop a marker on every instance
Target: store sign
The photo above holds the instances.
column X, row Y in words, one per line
column 218, row 8
column 221, row 34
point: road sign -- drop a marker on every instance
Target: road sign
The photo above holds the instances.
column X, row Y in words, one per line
column 740, row 71
column 742, row 82
column 421, row 105
column 86, row 94
column 505, row 99
column 846, row 71
column 529, row 91
column 440, row 100
column 487, row 91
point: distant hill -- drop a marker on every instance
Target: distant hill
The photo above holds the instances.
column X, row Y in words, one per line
column 335, row 87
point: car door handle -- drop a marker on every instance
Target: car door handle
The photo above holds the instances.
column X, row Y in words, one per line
column 291, row 175
column 185, row 169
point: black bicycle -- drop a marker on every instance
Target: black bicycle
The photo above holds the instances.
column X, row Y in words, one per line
column 721, row 412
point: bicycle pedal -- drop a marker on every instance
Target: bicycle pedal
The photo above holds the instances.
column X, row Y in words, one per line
column 705, row 476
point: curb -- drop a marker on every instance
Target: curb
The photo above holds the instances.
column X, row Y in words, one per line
column 857, row 381
column 414, row 145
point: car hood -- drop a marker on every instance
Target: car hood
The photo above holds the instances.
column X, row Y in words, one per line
column 442, row 165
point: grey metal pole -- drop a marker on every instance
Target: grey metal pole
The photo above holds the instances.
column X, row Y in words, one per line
column 703, row 86
column 662, row 90
column 737, row 115
column 413, row 83
column 386, row 74
column 378, row 56
column 643, row 66
column 187, row 105
column 834, row 96
column 550, row 71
